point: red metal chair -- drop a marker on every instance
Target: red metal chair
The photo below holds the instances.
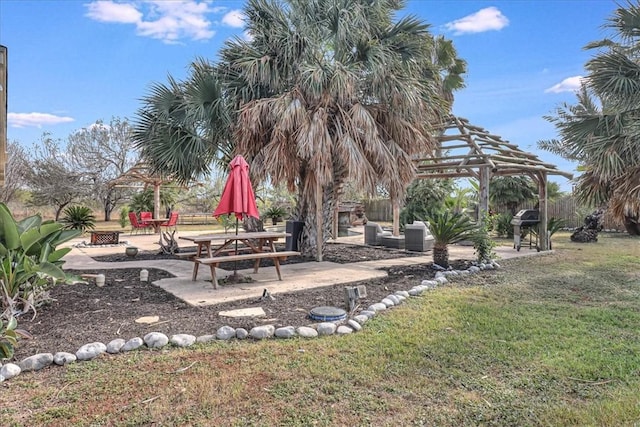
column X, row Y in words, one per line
column 144, row 216
column 137, row 225
column 172, row 222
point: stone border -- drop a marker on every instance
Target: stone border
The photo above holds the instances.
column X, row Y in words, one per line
column 156, row 340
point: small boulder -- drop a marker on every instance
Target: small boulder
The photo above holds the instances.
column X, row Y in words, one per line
column 115, row 346
column 225, row 333
column 133, row 344
column 306, row 332
column 62, row 358
column 91, row 351
column 156, row 340
column 10, row 370
column 183, row 340
column 36, row 362
column 262, row 332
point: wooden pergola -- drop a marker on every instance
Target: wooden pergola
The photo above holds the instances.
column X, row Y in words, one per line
column 469, row 151
column 140, row 175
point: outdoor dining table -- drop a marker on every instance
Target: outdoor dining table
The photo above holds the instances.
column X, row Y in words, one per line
column 155, row 223
column 212, row 245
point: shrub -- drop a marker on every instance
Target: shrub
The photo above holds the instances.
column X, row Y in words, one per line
column 78, row 218
column 123, row 219
column 502, row 225
column 482, row 242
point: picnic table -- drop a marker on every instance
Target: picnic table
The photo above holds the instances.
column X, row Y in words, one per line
column 213, row 249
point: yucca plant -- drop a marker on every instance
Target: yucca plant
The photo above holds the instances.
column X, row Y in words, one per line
column 448, row 228
column 78, row 218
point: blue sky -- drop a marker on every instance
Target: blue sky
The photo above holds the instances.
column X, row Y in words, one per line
column 74, row 62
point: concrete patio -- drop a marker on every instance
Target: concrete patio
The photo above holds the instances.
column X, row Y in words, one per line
column 295, row 277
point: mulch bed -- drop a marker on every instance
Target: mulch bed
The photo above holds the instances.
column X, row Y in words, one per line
column 84, row 313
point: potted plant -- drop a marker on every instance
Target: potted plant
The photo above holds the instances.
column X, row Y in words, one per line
column 276, row 213
column 448, row 228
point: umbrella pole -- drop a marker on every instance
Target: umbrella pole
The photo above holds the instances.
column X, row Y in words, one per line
column 235, row 263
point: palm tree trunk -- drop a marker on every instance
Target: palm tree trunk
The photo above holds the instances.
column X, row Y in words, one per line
column 441, row 256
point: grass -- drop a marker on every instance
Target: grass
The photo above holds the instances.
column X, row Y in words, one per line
column 548, row 340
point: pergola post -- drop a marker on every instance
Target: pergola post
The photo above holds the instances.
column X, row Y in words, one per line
column 485, row 176
column 542, row 209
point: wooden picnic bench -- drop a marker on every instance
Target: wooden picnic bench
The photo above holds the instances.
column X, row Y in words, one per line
column 213, row 262
column 256, row 242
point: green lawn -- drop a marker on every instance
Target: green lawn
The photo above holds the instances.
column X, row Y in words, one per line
column 547, row 340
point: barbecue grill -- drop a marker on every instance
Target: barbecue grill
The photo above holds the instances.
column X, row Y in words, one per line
column 525, row 219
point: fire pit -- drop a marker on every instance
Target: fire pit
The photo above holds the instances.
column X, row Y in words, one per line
column 105, row 237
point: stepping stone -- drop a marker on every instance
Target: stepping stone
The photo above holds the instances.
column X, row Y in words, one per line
column 244, row 312
column 148, row 319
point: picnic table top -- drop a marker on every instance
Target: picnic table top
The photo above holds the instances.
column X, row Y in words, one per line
column 234, row 236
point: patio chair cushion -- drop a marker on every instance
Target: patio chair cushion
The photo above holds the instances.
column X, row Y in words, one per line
column 380, row 232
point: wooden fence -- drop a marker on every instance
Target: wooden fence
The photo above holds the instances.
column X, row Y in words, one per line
column 565, row 208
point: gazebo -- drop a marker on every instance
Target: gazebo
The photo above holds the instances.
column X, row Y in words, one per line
column 470, row 151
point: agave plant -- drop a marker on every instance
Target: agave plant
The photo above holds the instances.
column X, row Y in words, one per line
column 448, row 228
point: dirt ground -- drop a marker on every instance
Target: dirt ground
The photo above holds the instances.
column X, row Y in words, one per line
column 83, row 313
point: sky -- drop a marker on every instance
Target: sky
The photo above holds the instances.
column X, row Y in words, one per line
column 72, row 62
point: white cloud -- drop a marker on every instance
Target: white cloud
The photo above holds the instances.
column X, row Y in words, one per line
column 234, row 18
column 169, row 21
column 488, row 19
column 570, row 84
column 22, row 120
column 108, row 11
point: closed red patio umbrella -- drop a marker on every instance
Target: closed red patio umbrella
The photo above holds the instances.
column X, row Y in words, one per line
column 237, row 197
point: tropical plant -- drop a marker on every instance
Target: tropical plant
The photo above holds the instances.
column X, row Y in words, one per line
column 319, row 95
column 448, row 228
column 142, row 201
column 511, row 191
column 29, row 260
column 123, row 217
column 601, row 130
column 275, row 212
column 424, row 196
column 482, row 241
column 502, row 225
column 9, row 335
column 78, row 218
column 553, row 226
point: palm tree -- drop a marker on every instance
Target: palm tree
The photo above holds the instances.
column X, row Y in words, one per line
column 447, row 228
column 511, row 191
column 321, row 93
column 601, row 131
column 182, row 128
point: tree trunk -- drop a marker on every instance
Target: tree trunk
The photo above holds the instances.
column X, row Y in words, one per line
column 306, row 212
column 441, row 256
